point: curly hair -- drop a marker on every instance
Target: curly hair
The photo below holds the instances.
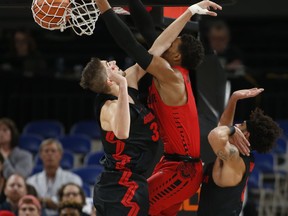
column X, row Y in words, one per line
column 263, row 131
column 192, row 52
column 14, row 131
column 94, row 77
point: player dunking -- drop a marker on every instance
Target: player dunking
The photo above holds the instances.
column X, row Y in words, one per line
column 129, row 134
column 225, row 180
column 178, row 175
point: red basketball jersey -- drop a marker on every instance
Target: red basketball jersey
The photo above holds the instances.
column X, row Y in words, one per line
column 179, row 126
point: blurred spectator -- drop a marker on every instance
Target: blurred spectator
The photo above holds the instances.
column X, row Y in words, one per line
column 6, row 213
column 72, row 192
column 229, row 56
column 16, row 160
column 232, row 60
column 15, row 189
column 49, row 181
column 29, row 205
column 2, row 180
column 23, row 56
column 31, row 190
column 70, row 208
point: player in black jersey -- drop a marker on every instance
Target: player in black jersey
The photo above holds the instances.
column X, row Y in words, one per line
column 224, row 180
column 129, row 134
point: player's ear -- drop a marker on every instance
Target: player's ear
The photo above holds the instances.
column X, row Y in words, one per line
column 177, row 57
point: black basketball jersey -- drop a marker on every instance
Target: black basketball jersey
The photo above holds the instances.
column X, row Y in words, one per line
column 135, row 154
column 223, row 201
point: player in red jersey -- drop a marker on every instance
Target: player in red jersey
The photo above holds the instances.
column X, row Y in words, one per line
column 179, row 128
column 179, row 173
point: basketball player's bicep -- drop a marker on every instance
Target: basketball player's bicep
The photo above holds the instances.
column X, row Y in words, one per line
column 229, row 152
column 161, row 70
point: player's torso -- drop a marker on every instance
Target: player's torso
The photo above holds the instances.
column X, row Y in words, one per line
column 218, row 200
column 137, row 152
column 179, row 126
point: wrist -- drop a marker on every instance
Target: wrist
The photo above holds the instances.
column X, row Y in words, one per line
column 123, row 89
column 123, row 84
column 232, row 130
column 196, row 9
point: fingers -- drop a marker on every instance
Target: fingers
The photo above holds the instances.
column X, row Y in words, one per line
column 242, row 143
column 245, row 148
column 213, row 5
column 211, row 13
column 255, row 91
column 259, row 90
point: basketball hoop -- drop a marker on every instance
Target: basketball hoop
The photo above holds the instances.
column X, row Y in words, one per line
column 81, row 16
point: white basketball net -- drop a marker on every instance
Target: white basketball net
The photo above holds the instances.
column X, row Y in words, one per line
column 81, row 16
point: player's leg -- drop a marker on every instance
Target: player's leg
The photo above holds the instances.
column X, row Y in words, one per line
column 121, row 194
column 170, row 184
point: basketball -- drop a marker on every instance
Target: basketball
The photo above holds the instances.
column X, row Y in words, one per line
column 49, row 13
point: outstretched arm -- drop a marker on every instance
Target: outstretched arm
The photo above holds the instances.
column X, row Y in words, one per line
column 143, row 21
column 125, row 39
column 227, row 117
column 165, row 39
column 122, row 35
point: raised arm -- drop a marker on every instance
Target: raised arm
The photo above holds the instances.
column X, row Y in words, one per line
column 143, row 21
column 227, row 117
column 115, row 114
column 219, row 141
column 165, row 39
column 123, row 36
column 125, row 39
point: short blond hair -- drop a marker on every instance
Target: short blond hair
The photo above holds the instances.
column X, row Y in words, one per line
column 49, row 141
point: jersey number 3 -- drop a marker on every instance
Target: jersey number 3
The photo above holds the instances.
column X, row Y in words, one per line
column 154, row 128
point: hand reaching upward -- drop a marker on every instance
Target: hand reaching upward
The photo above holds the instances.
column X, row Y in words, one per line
column 247, row 93
column 203, row 7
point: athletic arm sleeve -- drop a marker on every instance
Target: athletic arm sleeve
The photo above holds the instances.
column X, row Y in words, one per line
column 143, row 21
column 125, row 39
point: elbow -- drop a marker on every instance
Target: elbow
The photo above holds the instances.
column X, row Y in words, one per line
column 212, row 136
column 121, row 134
column 215, row 137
